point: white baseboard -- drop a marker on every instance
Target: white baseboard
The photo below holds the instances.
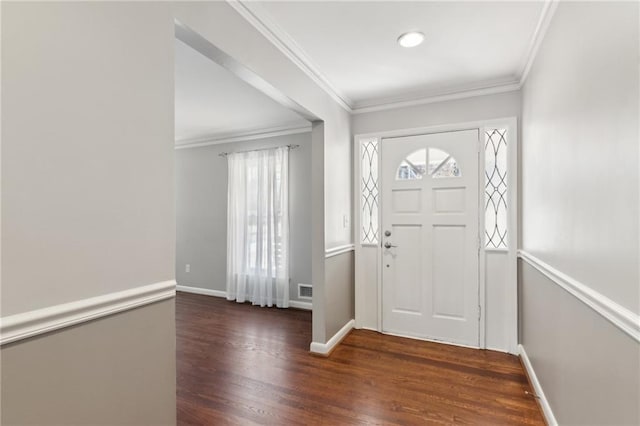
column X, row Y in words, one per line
column 28, row 324
column 204, row 291
column 307, row 306
column 537, row 388
column 219, row 293
column 326, row 348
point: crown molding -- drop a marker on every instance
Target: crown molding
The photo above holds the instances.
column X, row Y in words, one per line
column 253, row 13
column 548, row 10
column 259, row 19
column 449, row 96
column 242, row 136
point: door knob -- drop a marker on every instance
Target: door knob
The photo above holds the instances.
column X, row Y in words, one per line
column 388, row 245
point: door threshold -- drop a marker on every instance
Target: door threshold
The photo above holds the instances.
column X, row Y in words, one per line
column 432, row 340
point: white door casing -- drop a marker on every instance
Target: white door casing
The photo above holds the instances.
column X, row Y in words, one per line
column 430, row 274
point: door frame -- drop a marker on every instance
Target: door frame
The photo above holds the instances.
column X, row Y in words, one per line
column 510, row 308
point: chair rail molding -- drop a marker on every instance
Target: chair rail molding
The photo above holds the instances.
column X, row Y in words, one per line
column 335, row 251
column 621, row 317
column 32, row 323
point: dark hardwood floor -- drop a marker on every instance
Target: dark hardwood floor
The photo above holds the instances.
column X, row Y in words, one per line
column 239, row 364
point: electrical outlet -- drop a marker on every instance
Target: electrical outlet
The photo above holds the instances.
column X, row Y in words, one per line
column 187, row 268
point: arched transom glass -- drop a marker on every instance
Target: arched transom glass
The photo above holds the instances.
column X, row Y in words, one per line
column 431, row 162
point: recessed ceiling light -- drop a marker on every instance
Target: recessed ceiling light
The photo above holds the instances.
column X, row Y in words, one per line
column 411, row 39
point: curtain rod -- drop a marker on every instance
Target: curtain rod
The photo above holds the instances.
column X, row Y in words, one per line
column 224, row 154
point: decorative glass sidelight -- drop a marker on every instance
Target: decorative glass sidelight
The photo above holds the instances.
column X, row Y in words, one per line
column 495, row 189
column 370, row 191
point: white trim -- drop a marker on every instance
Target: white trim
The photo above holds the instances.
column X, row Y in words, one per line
column 28, row 324
column 307, row 306
column 497, row 250
column 511, row 296
column 335, row 251
column 387, row 104
column 326, row 348
column 537, row 388
column 259, row 19
column 430, row 339
column 482, row 255
column 223, row 294
column 510, row 316
column 203, row 291
column 548, row 10
column 513, row 241
column 621, row 317
column 241, row 137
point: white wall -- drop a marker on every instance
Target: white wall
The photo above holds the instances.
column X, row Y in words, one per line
column 87, row 153
column 222, row 26
column 580, row 150
column 499, row 326
column 580, row 210
column 201, row 198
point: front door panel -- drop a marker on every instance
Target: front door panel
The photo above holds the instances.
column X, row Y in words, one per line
column 430, row 236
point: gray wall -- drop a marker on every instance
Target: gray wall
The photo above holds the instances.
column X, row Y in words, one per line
column 88, row 207
column 580, row 210
column 116, row 370
column 222, row 25
column 589, row 369
column 201, row 194
column 340, row 282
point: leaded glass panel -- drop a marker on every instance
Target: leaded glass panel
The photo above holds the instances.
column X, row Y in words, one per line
column 370, row 195
column 495, row 152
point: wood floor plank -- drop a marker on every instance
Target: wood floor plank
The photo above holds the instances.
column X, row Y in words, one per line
column 241, row 365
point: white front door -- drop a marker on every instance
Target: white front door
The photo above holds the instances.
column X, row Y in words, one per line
column 430, row 236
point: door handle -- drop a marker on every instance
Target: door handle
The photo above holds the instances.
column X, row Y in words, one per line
column 388, row 245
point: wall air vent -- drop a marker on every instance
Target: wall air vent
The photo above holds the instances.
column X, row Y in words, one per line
column 305, row 291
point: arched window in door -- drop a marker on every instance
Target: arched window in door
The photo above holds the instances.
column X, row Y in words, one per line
column 433, row 162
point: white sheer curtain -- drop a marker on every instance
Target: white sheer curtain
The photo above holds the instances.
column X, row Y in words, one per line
column 258, row 227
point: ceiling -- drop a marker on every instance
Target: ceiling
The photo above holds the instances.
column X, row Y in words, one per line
column 352, row 46
column 211, row 103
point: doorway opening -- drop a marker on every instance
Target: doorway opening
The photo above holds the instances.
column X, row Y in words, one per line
column 437, row 236
column 243, row 182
